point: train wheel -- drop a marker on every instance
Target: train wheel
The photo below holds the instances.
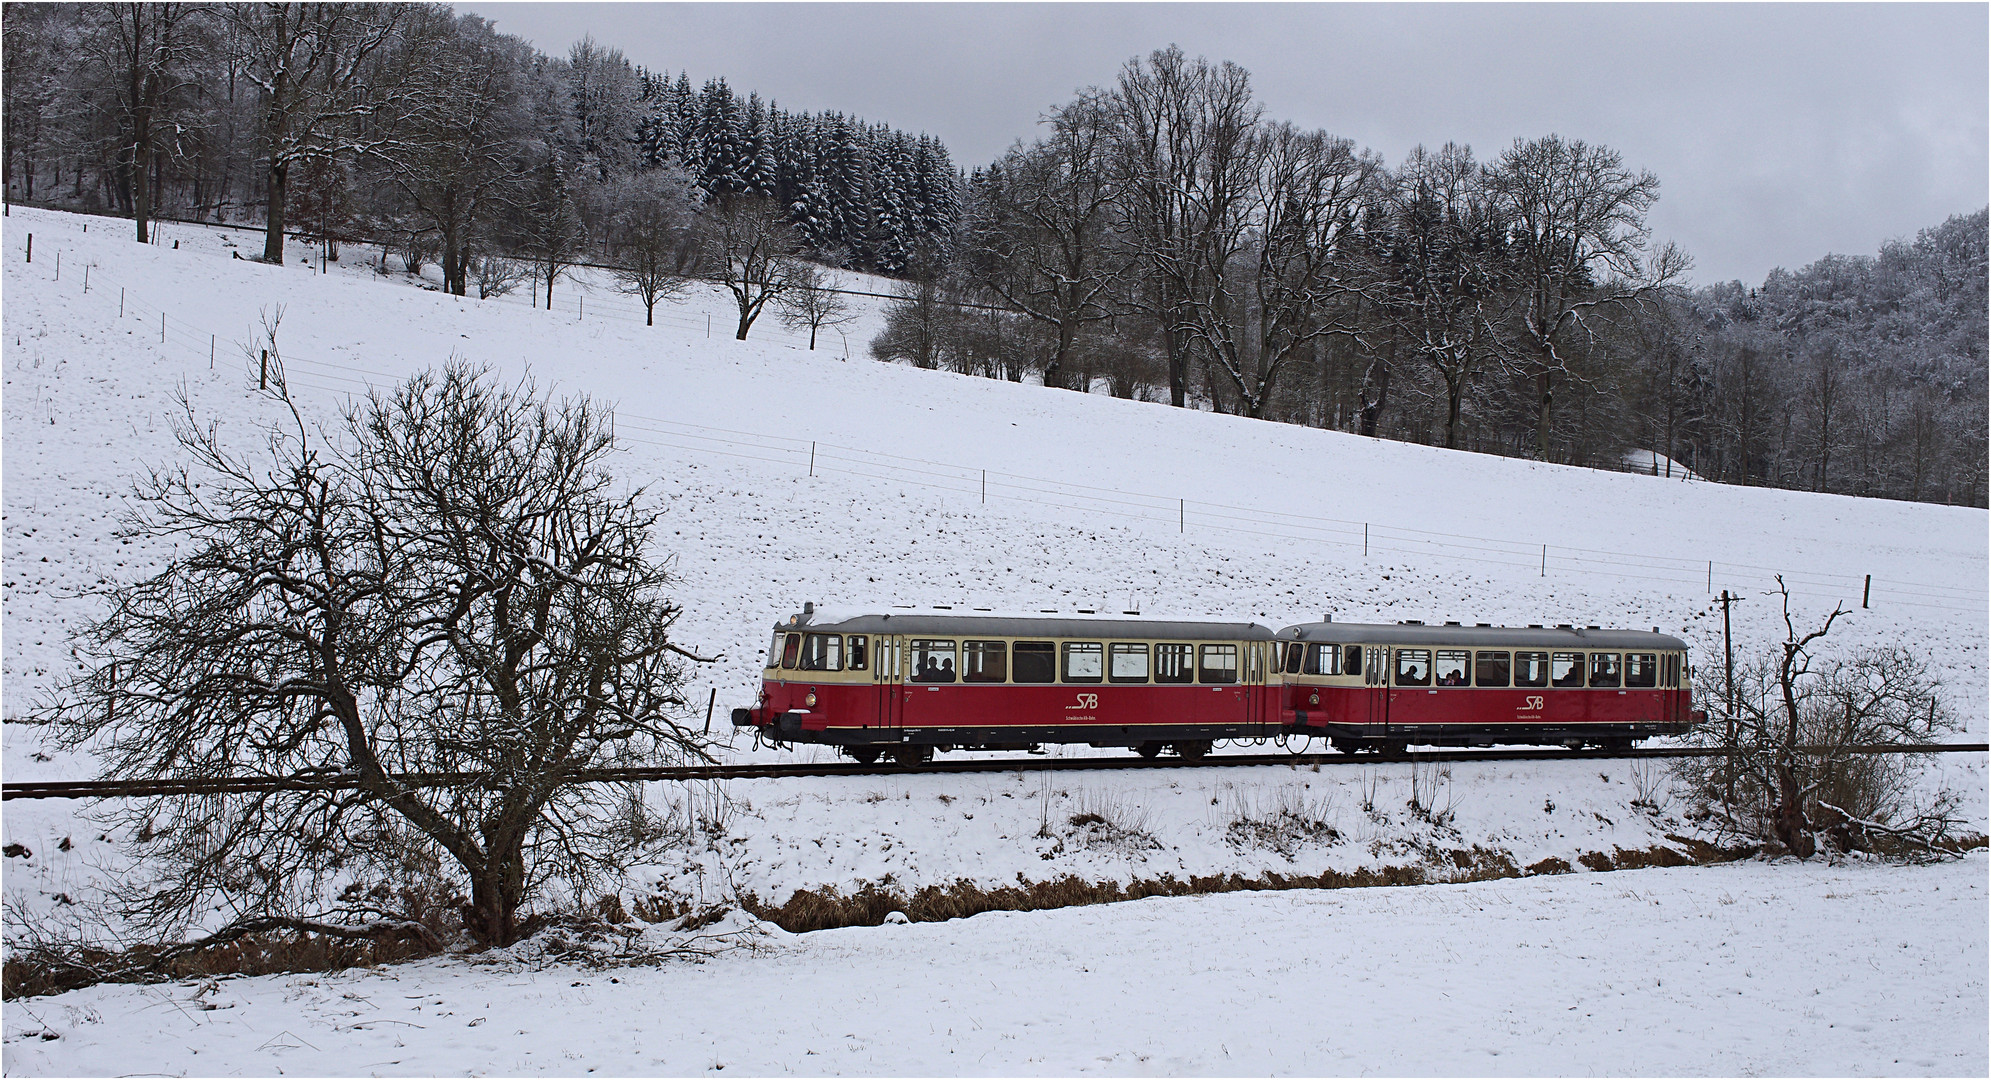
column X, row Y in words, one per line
column 1192, row 751
column 912, row 755
column 865, row 755
column 1148, row 749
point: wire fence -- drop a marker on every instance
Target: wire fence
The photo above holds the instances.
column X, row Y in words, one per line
column 795, row 455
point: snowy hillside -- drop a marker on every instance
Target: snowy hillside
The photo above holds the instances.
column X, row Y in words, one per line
column 1091, row 503
column 789, row 476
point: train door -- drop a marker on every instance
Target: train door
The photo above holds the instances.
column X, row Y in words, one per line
column 1255, row 694
column 1376, row 676
column 888, row 675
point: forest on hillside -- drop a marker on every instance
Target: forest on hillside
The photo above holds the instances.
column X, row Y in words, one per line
column 1159, row 238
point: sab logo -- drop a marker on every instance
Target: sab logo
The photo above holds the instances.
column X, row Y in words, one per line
column 1534, row 704
column 1085, row 701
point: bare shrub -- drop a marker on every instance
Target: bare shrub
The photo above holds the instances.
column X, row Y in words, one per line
column 1431, row 794
column 496, row 275
column 1799, row 766
column 1292, row 819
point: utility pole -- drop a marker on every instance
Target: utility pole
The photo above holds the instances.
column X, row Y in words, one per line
column 1728, row 654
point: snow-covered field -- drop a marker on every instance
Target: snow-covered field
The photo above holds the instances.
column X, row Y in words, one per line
column 1737, row 970
column 789, row 476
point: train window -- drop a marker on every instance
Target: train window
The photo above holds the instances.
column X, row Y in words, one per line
column 1036, row 662
column 1450, row 667
column 984, row 661
column 1354, row 664
column 774, row 650
column 1129, row 662
column 1670, row 675
column 1641, row 669
column 1295, row 651
column 857, row 652
column 1604, row 669
column 1491, row 668
column 1219, row 664
column 933, row 661
column 1531, row 669
column 1566, row 669
column 821, row 652
column 1175, row 663
column 790, row 651
column 1413, row 667
column 1083, row 661
column 1323, row 660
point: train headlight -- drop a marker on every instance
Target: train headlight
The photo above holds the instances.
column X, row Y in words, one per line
column 1313, row 699
column 810, row 701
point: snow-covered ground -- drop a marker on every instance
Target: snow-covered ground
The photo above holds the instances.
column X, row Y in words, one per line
column 1739, row 970
column 789, row 476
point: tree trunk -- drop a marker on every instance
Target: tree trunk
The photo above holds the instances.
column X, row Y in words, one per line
column 492, row 914
column 279, row 185
column 1546, row 396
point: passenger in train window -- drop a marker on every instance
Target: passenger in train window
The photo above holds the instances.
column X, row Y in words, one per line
column 1490, row 668
column 1604, row 669
column 1642, row 669
column 858, row 657
column 1531, row 669
column 933, row 661
column 1451, row 667
column 1219, row 664
column 1036, row 662
column 1175, row 663
column 1413, row 667
column 1566, row 669
column 1128, row 662
column 984, row 661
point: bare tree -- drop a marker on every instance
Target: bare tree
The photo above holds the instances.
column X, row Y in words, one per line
column 813, row 299
column 310, row 61
column 915, row 325
column 458, row 586
column 1182, row 132
column 1038, row 230
column 148, row 49
column 456, row 160
column 749, row 246
column 1576, row 217
column 1441, row 252
column 1793, row 734
column 656, row 241
column 1278, row 259
column 496, row 275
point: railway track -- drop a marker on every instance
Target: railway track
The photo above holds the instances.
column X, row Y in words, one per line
column 112, row 789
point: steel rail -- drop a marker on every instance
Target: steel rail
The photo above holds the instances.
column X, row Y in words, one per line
column 249, row 785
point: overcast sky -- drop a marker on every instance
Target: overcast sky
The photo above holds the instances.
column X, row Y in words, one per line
column 1779, row 132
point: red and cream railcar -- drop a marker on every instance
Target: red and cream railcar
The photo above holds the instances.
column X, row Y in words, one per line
column 1387, row 686
column 910, row 684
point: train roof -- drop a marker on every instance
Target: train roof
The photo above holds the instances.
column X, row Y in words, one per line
column 1509, row 637
column 1013, row 626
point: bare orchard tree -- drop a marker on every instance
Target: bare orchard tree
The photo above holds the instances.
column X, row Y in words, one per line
column 656, row 238
column 496, row 275
column 1793, row 770
column 454, row 584
column 812, row 300
column 748, row 246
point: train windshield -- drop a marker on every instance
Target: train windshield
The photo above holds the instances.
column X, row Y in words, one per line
column 822, row 652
